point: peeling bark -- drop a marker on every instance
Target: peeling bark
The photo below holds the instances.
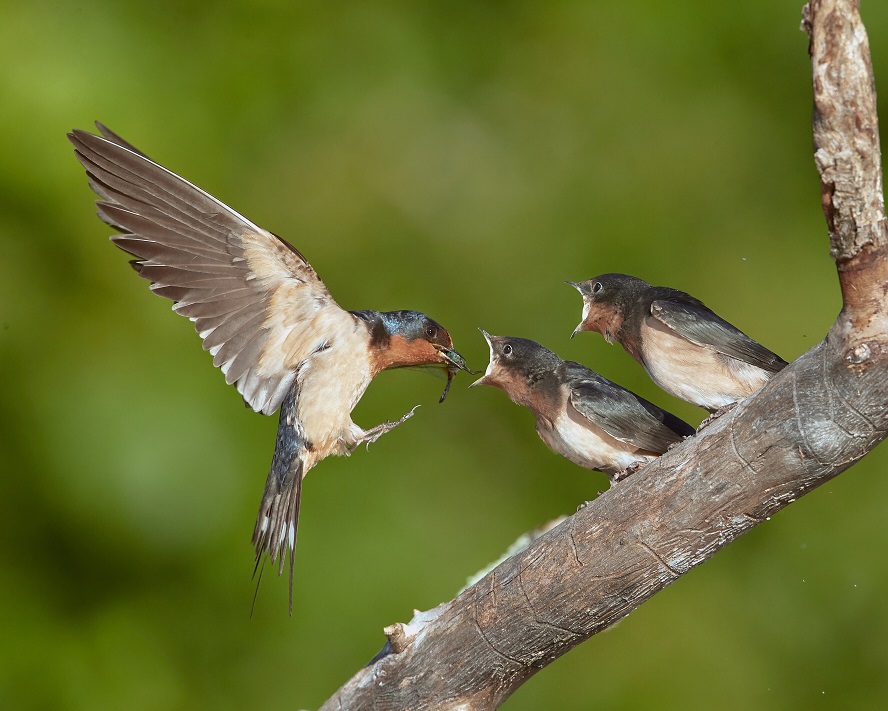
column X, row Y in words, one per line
column 815, row 419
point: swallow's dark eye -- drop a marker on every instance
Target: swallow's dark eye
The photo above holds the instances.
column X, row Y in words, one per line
column 596, row 287
column 507, row 349
column 431, row 331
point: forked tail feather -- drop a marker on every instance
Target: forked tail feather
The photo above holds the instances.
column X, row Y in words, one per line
column 276, row 525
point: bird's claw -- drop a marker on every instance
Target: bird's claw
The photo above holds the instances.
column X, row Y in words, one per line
column 715, row 415
column 375, row 433
column 628, row 471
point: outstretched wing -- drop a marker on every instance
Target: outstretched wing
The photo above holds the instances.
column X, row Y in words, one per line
column 622, row 414
column 702, row 326
column 254, row 299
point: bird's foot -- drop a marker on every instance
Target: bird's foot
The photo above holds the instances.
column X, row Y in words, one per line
column 373, row 434
column 715, row 415
column 586, row 503
column 628, row 471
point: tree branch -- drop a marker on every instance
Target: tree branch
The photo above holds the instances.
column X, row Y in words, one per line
column 811, row 422
column 848, row 158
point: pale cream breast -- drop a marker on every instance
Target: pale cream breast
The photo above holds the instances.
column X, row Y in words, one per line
column 695, row 373
column 331, row 382
column 582, row 442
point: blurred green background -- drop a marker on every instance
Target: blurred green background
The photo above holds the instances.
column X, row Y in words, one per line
column 459, row 158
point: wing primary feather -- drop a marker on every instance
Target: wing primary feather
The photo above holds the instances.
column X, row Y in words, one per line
column 114, row 138
column 186, row 228
column 160, row 178
column 203, row 276
column 112, row 185
column 152, row 245
column 127, row 214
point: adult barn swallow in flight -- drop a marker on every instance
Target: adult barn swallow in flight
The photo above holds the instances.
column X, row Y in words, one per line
column 688, row 350
column 264, row 314
column 579, row 414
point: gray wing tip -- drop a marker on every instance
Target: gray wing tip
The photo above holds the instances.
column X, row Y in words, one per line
column 109, row 135
column 79, row 138
column 84, row 139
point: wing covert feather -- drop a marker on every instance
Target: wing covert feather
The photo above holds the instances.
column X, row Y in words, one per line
column 622, row 414
column 702, row 326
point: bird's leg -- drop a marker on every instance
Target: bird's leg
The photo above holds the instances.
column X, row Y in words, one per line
column 373, row 434
column 715, row 415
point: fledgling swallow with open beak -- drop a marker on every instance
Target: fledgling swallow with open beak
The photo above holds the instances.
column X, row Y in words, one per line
column 687, row 349
column 581, row 415
column 266, row 317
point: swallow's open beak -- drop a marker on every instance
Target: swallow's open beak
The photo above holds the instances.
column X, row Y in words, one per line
column 579, row 287
column 455, row 363
column 481, row 380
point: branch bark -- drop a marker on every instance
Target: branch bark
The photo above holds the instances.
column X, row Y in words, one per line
column 814, row 420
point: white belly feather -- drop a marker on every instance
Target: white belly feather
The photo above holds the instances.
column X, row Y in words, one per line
column 330, row 386
column 585, row 444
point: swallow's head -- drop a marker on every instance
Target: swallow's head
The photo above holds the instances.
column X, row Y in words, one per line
column 606, row 300
column 522, row 368
column 403, row 339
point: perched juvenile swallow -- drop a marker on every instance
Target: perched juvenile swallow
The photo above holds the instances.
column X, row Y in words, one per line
column 266, row 317
column 579, row 414
column 688, row 350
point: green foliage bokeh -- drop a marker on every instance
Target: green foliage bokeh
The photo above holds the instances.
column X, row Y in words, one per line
column 463, row 159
